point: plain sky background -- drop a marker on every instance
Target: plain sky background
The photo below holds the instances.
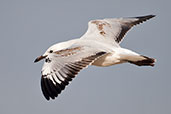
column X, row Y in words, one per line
column 29, row 27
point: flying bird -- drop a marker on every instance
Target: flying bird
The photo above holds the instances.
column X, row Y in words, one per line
column 99, row 46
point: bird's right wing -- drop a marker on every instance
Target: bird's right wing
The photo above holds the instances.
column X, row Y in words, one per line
column 112, row 30
column 63, row 65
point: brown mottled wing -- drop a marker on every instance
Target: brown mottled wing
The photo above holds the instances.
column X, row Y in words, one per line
column 113, row 29
column 62, row 66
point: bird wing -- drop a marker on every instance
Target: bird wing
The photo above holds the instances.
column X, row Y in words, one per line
column 63, row 65
column 112, row 30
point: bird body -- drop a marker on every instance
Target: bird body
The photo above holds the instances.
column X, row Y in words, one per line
column 99, row 46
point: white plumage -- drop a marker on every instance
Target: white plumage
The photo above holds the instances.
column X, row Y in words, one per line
column 99, row 46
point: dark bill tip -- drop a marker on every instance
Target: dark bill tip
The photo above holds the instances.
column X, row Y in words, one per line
column 39, row 58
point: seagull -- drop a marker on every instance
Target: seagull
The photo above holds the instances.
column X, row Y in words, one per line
column 99, row 46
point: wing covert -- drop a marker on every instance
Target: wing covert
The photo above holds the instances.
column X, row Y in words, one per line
column 114, row 29
column 63, row 66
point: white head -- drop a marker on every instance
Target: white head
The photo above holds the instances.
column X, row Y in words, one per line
column 50, row 50
column 54, row 48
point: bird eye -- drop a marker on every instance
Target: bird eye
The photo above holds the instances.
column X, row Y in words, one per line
column 51, row 51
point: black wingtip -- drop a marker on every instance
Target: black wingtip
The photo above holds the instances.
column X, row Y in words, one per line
column 44, row 90
column 141, row 19
column 144, row 18
column 152, row 15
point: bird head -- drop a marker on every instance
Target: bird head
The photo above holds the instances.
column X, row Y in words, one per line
column 50, row 50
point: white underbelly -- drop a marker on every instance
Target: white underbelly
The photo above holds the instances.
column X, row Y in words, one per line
column 108, row 60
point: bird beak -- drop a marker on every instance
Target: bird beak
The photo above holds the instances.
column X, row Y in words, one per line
column 39, row 58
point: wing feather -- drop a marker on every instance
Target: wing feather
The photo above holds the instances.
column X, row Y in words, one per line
column 112, row 30
column 63, row 67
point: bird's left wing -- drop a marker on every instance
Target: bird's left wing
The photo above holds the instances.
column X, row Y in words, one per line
column 63, row 65
column 112, row 30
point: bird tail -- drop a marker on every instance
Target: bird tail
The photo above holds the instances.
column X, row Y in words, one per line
column 144, row 61
column 135, row 58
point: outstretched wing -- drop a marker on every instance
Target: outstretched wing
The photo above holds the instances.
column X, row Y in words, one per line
column 61, row 66
column 114, row 29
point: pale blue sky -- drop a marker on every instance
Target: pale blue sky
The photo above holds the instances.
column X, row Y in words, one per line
column 29, row 27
